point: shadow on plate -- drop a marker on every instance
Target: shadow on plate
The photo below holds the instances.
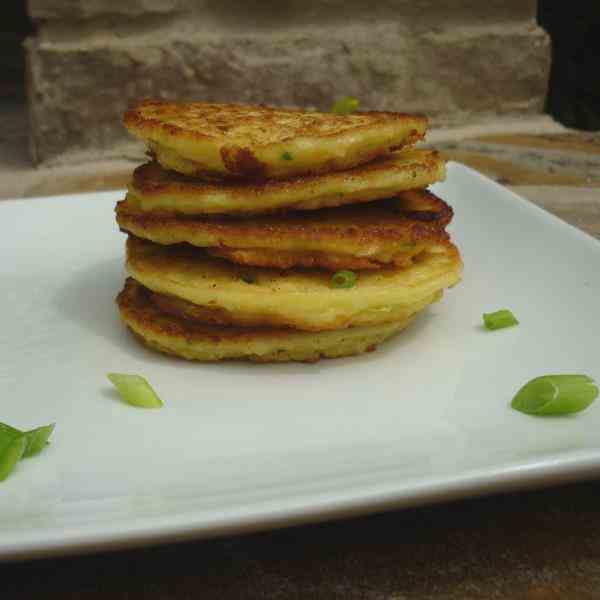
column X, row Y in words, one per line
column 89, row 301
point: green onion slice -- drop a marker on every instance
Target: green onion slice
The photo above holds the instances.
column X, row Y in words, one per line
column 135, row 390
column 16, row 444
column 286, row 156
column 8, row 431
column 37, row 439
column 343, row 279
column 345, row 106
column 556, row 395
column 499, row 319
column 12, row 447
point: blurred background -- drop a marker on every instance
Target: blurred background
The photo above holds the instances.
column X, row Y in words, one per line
column 71, row 67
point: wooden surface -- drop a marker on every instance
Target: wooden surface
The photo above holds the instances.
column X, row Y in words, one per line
column 541, row 545
column 578, row 206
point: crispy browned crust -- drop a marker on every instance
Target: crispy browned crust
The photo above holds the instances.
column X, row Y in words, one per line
column 278, row 259
column 207, row 315
column 156, row 312
column 240, row 162
column 151, row 181
column 355, row 237
column 258, row 124
column 243, row 166
column 244, row 135
column 425, row 207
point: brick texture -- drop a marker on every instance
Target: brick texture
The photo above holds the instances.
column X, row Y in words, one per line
column 86, row 9
column 81, row 79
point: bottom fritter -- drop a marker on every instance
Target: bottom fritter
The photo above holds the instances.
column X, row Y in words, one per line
column 194, row 340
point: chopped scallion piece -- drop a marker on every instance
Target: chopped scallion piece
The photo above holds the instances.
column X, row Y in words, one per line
column 37, row 439
column 556, row 395
column 345, row 106
column 12, row 447
column 16, row 444
column 286, row 156
column 499, row 319
column 343, row 279
column 135, row 390
column 248, row 278
column 7, row 430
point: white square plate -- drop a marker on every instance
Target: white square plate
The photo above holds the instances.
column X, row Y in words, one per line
column 241, row 446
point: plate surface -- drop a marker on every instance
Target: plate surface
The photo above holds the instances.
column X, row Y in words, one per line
column 239, row 446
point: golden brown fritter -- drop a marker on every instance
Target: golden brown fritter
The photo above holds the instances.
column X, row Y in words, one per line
column 366, row 236
column 159, row 191
column 301, row 299
column 195, row 340
column 234, row 140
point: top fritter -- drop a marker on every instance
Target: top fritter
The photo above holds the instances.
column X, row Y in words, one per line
column 244, row 141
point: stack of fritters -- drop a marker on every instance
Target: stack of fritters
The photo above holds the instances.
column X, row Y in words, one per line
column 239, row 223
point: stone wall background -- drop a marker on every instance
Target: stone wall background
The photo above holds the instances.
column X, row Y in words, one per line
column 459, row 61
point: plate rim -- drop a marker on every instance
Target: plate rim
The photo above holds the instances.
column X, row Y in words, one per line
column 190, row 525
column 553, row 470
